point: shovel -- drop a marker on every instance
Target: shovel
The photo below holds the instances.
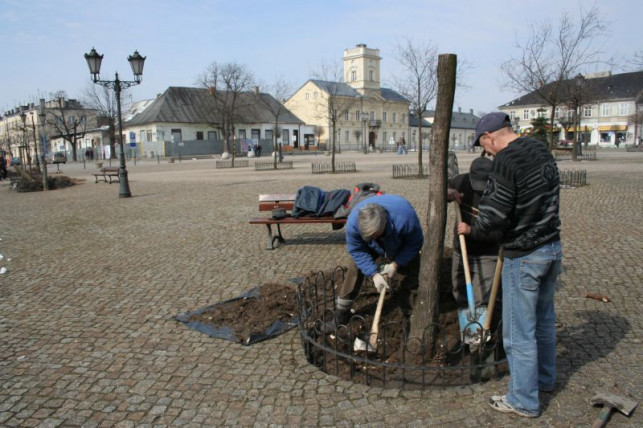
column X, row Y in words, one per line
column 371, row 345
column 611, row 402
column 494, row 291
column 471, row 318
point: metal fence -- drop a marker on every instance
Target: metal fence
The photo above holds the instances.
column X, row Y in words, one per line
column 397, row 361
column 324, row 167
column 573, row 178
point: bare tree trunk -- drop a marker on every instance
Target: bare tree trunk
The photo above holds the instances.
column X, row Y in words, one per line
column 426, row 306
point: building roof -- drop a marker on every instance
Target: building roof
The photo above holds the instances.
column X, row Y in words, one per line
column 344, row 90
column 611, row 87
column 196, row 105
column 413, row 122
column 459, row 120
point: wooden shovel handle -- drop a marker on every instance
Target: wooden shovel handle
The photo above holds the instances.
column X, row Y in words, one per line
column 494, row 289
column 375, row 328
column 463, row 246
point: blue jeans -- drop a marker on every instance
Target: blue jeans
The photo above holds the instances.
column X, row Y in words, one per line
column 529, row 323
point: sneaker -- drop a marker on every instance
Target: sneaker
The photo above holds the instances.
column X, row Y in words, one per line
column 499, row 403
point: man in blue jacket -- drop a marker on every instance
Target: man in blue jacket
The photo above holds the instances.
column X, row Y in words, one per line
column 380, row 229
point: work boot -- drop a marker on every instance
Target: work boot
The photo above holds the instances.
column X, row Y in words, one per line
column 342, row 316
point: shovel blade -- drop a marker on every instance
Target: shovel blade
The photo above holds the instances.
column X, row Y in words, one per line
column 361, row 345
column 471, row 327
column 622, row 404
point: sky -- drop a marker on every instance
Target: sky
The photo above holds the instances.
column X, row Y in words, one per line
column 43, row 41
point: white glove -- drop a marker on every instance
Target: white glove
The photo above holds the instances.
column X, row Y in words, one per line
column 389, row 270
column 379, row 282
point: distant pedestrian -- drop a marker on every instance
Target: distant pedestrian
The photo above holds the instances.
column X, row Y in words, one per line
column 3, row 166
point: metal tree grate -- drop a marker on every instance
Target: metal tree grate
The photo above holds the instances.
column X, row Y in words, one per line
column 408, row 365
column 573, row 178
column 327, row 167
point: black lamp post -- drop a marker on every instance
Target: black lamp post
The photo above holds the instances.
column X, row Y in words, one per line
column 136, row 61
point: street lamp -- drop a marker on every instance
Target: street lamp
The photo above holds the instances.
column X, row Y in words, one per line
column 24, row 152
column 136, row 62
column 365, row 134
column 43, row 137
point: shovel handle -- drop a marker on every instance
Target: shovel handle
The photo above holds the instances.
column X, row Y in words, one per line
column 465, row 262
column 494, row 290
column 375, row 328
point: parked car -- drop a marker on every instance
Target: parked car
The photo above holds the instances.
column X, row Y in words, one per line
column 15, row 161
column 56, row 157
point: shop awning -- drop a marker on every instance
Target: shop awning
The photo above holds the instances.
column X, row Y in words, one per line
column 612, row 128
column 582, row 129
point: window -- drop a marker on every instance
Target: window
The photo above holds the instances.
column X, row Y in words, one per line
column 512, row 115
column 372, row 115
column 370, row 75
column 347, row 115
column 347, row 136
column 256, row 134
column 315, row 95
column 141, row 136
column 525, row 114
column 285, row 136
column 353, row 75
column 624, row 109
column 394, row 117
column 556, row 113
column 587, row 111
column 605, row 110
column 307, row 96
column 403, row 117
column 383, row 116
column 384, row 136
column 212, row 135
column 242, row 133
column 357, row 112
column 149, row 135
column 161, row 135
column 199, row 135
column 269, row 134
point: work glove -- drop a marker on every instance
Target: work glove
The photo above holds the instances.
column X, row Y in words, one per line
column 389, row 269
column 379, row 282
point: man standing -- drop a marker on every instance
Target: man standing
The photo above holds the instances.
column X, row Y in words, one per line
column 482, row 247
column 522, row 200
column 380, row 229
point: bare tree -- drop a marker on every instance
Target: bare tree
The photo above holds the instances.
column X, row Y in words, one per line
column 226, row 84
column 67, row 123
column 551, row 55
column 420, row 82
column 274, row 104
column 103, row 100
column 637, row 60
column 335, row 100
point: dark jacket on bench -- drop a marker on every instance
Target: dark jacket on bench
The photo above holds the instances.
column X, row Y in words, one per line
column 313, row 201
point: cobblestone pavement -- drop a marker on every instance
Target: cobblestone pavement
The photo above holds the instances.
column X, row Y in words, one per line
column 87, row 335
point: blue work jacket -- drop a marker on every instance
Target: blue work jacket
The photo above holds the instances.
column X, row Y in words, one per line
column 402, row 239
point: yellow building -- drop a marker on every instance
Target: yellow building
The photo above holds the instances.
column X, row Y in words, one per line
column 353, row 104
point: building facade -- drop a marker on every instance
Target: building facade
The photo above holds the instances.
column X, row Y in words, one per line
column 367, row 115
column 463, row 128
column 603, row 108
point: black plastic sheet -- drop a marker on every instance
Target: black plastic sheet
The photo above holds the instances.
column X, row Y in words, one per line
column 230, row 332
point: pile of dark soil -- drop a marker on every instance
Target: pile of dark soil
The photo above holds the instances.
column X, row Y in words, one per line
column 447, row 362
column 256, row 315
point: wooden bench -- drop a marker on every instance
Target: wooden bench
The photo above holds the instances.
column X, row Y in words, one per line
column 269, row 202
column 107, row 173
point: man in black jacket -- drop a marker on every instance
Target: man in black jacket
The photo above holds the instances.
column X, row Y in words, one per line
column 522, row 200
column 482, row 246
